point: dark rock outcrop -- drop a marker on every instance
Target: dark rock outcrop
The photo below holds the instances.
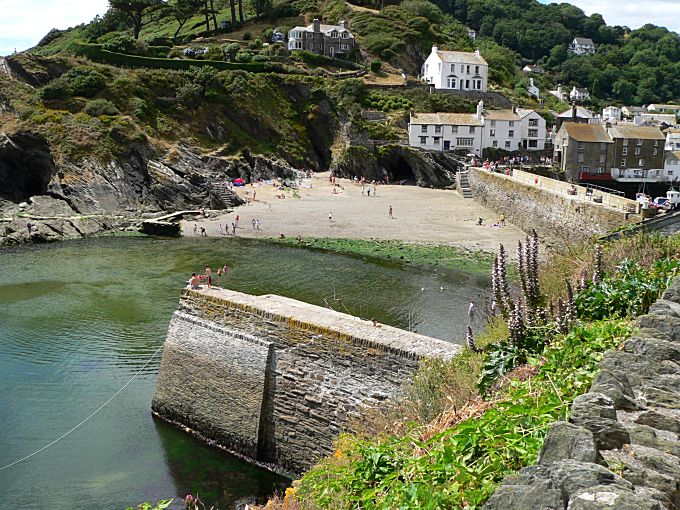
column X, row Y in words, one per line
column 629, row 421
column 427, row 169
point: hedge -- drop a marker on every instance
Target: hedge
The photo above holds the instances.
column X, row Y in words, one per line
column 95, row 53
column 322, row 60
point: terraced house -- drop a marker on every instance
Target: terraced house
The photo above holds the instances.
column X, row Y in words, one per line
column 637, row 150
column 328, row 40
column 456, row 70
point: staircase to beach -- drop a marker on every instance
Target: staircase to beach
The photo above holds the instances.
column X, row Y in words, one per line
column 463, row 185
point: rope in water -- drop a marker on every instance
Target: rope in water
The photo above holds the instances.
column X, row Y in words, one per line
column 86, row 419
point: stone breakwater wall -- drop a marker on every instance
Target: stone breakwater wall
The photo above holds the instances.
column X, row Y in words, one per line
column 274, row 379
column 559, row 220
column 621, row 447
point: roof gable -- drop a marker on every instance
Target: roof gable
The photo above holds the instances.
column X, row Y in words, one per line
column 461, row 57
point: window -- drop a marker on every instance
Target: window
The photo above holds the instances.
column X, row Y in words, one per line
column 670, row 172
column 581, row 146
column 507, row 145
column 511, row 134
column 625, row 142
column 345, row 35
column 492, row 133
column 533, row 133
column 454, row 129
column 465, row 142
column 656, row 143
column 495, row 143
column 451, row 83
column 298, row 45
column 641, row 162
column 467, row 84
column 581, row 158
column 437, row 129
column 637, row 151
column 623, row 163
column 472, row 129
column 585, row 169
column 493, row 123
column 423, row 140
column 462, row 69
column 603, row 147
column 533, row 122
column 453, row 68
column 639, row 142
column 603, row 157
column 344, row 47
column 423, row 129
column 533, row 143
column 468, row 70
column 476, row 69
column 624, row 152
column 656, row 151
column 334, row 34
column 511, row 123
column 436, row 140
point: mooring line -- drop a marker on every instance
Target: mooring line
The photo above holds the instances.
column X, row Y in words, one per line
column 86, row 419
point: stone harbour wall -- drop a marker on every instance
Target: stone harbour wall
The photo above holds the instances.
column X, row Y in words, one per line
column 621, row 447
column 274, row 379
column 559, row 220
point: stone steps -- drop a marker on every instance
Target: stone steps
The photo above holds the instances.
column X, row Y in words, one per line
column 463, row 185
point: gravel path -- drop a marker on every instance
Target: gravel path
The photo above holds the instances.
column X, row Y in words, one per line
column 420, row 215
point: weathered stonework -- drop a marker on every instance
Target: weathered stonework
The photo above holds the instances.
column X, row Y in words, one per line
column 275, row 379
column 557, row 219
column 629, row 422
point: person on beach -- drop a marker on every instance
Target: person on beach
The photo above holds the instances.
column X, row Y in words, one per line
column 368, row 191
column 330, row 216
column 254, row 195
column 233, row 228
column 390, row 214
column 238, row 218
column 208, row 275
column 257, row 225
column 375, row 190
column 221, row 229
column 363, row 191
column 502, row 220
column 225, row 269
column 203, row 232
column 195, row 228
column 253, row 223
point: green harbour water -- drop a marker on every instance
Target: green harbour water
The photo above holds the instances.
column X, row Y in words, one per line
column 78, row 319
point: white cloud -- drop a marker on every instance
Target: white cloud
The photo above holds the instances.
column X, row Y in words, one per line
column 635, row 13
column 24, row 22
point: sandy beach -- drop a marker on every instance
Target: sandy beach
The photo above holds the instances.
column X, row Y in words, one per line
column 420, row 215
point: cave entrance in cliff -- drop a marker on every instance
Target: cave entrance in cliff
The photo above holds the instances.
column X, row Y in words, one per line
column 401, row 171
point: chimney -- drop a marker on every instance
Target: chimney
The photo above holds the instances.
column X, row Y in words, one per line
column 477, row 52
column 573, row 112
column 480, row 110
column 317, row 25
column 531, row 82
column 344, row 24
column 435, row 49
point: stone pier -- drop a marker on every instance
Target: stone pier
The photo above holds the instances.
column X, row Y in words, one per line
column 274, row 379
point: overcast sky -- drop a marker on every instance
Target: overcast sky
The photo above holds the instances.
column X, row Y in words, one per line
column 24, row 22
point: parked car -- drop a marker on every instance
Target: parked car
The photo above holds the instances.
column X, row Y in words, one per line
column 661, row 203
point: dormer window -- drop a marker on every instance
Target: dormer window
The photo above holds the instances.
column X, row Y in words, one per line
column 334, row 34
column 345, row 35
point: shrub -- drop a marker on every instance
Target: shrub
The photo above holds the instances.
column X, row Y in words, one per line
column 139, row 107
column 119, row 42
column 231, row 50
column 247, row 36
column 243, row 57
column 97, row 107
column 256, row 44
column 214, row 53
column 190, row 94
column 82, row 81
column 376, row 65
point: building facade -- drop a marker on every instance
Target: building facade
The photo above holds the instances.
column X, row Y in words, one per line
column 328, row 40
column 612, row 114
column 510, row 130
column 582, row 46
column 456, row 70
column 637, row 148
column 584, row 150
column 672, row 139
column 579, row 95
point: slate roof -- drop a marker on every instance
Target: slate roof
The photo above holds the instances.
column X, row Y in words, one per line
column 636, row 132
column 461, row 57
column 501, row 115
column 594, row 133
column 580, row 112
column 584, row 40
column 448, row 119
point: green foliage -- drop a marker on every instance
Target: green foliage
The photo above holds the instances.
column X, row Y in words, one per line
column 388, row 103
column 628, row 292
column 322, row 60
column 231, row 50
column 161, row 505
column 244, row 57
column 247, row 36
column 461, row 466
column 214, row 53
column 376, row 65
column 84, row 81
column 97, row 107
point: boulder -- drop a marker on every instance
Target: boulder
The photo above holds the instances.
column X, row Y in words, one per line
column 608, row 497
column 568, row 441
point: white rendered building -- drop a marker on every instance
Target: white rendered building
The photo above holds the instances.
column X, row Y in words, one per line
column 456, row 70
column 612, row 113
column 582, row 46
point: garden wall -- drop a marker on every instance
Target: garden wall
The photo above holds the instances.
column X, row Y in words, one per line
column 621, row 447
column 274, row 379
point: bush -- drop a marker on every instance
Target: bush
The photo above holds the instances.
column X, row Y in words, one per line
column 230, row 50
column 243, row 57
column 247, row 36
column 315, row 59
column 376, row 65
column 214, row 53
column 190, row 94
column 82, row 81
column 119, row 42
column 139, row 107
column 256, row 44
column 97, row 107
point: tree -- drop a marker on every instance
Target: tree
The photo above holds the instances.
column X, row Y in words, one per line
column 261, row 6
column 240, row 10
column 183, row 10
column 232, row 6
column 138, row 12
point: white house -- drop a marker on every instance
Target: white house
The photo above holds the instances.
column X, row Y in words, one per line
column 472, row 34
column 655, row 119
column 559, row 93
column 510, row 130
column 456, row 70
column 582, row 46
column 632, row 111
column 530, row 68
column 672, row 139
column 671, row 167
column 534, row 132
column 578, row 94
column 611, row 114
column 533, row 90
column 664, row 108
